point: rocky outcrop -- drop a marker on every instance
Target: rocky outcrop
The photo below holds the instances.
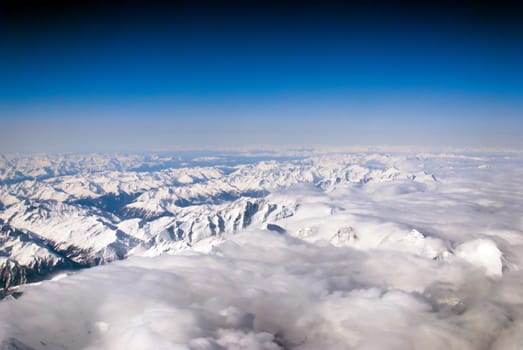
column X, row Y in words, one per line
column 11, row 273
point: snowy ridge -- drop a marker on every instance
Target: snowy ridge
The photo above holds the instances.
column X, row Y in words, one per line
column 95, row 209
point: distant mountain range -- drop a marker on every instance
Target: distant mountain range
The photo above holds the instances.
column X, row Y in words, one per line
column 62, row 212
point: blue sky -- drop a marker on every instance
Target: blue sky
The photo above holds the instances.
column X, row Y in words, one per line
column 94, row 84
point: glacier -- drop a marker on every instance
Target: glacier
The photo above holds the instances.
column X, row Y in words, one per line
column 262, row 250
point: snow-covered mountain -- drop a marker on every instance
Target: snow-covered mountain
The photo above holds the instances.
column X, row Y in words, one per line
column 71, row 211
column 65, row 211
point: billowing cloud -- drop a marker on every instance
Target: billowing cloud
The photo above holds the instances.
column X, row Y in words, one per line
column 263, row 290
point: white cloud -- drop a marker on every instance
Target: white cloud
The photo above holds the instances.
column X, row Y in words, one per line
column 262, row 290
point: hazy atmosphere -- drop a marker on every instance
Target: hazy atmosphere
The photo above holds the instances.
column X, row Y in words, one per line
column 81, row 76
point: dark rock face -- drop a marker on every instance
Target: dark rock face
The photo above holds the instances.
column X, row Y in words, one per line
column 111, row 202
column 14, row 344
column 11, row 274
column 276, row 228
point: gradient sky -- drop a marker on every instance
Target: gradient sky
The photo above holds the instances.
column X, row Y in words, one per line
column 94, row 77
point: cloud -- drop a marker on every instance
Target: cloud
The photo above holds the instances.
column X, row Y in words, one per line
column 262, row 290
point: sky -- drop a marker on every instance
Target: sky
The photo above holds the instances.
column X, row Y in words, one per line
column 137, row 76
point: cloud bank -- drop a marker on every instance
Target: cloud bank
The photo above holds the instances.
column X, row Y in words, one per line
column 262, row 290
